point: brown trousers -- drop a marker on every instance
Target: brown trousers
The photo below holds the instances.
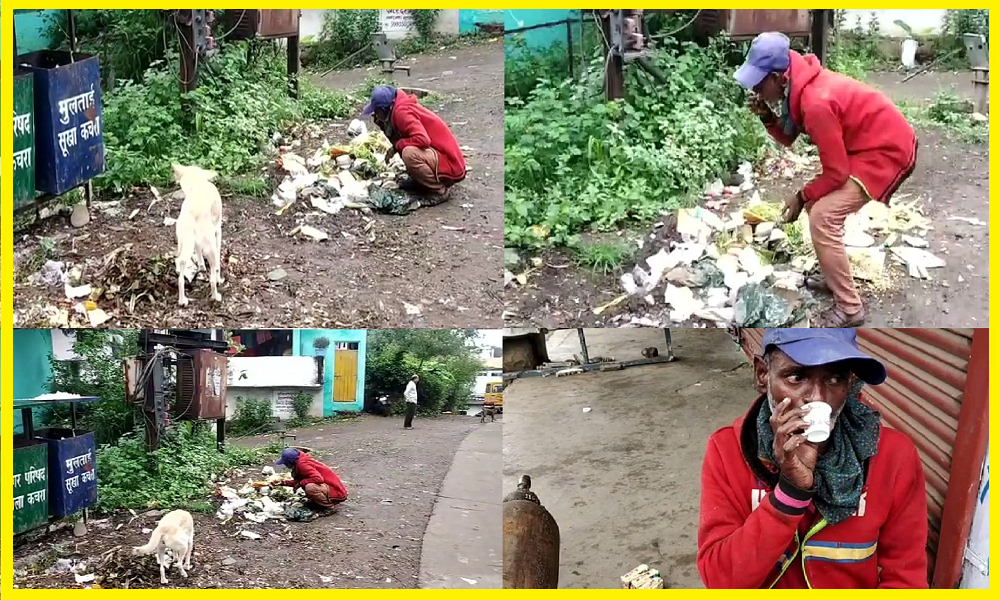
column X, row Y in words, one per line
column 319, row 494
column 422, row 167
column 826, row 226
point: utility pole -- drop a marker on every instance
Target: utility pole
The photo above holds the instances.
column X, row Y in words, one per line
column 614, row 63
column 822, row 21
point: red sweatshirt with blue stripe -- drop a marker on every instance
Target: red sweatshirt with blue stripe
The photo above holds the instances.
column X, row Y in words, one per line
column 751, row 535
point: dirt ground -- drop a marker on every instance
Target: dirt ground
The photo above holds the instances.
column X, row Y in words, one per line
column 393, row 478
column 951, row 179
column 446, row 260
column 623, row 485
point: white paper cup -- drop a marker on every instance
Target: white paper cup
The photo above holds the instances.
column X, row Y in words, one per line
column 818, row 418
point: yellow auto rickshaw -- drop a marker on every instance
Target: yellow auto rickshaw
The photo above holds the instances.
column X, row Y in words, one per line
column 494, row 396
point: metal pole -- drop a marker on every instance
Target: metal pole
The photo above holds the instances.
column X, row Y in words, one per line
column 819, row 34
column 583, row 346
column 71, row 26
column 28, row 423
column 670, row 344
column 220, row 434
column 569, row 46
column 293, row 66
column 614, row 66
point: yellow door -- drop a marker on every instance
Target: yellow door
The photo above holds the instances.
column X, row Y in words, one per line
column 345, row 375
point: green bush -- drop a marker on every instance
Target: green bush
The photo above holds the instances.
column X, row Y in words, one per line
column 253, row 417
column 345, row 32
column 301, row 403
column 223, row 125
column 177, row 475
column 424, row 20
column 574, row 161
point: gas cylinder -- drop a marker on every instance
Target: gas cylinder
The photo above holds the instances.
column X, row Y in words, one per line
column 530, row 541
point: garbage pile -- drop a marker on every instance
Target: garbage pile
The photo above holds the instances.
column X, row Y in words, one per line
column 352, row 175
column 733, row 263
column 743, row 268
column 262, row 500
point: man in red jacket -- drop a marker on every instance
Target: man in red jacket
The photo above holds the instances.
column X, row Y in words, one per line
column 322, row 486
column 432, row 156
column 778, row 511
column 866, row 147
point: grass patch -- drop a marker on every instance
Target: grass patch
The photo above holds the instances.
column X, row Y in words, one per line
column 603, row 257
column 950, row 115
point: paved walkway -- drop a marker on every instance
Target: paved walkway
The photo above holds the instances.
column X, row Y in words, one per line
column 463, row 541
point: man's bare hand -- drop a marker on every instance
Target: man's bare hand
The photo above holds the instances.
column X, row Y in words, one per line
column 795, row 456
column 760, row 108
column 793, row 208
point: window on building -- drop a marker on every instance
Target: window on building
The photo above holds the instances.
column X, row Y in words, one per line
column 345, row 346
column 497, row 352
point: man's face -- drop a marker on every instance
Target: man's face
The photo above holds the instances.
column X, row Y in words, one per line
column 781, row 377
column 772, row 88
column 380, row 117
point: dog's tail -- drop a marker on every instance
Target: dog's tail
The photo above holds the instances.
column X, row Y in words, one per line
column 154, row 541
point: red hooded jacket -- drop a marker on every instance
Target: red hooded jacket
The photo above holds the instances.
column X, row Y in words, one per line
column 749, row 539
column 309, row 470
column 416, row 125
column 858, row 130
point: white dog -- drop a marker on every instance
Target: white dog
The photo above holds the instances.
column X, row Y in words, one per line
column 174, row 532
column 199, row 227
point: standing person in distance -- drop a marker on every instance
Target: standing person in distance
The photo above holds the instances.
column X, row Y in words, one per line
column 410, row 395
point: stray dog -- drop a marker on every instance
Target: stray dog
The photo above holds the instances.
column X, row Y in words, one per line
column 650, row 352
column 174, row 532
column 199, row 228
column 488, row 411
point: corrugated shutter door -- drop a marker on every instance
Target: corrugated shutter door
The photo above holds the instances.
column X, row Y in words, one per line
column 922, row 398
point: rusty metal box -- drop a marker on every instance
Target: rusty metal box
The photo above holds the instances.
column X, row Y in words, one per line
column 269, row 23
column 201, row 386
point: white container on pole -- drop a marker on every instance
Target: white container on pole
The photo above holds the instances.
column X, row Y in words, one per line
column 909, row 53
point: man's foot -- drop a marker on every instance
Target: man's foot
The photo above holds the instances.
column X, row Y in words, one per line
column 408, row 184
column 817, row 283
column 431, row 199
column 326, row 512
column 837, row 317
column 407, row 428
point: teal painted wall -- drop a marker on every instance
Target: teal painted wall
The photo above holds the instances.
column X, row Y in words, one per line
column 31, row 30
column 468, row 17
column 302, row 345
column 545, row 37
column 32, row 368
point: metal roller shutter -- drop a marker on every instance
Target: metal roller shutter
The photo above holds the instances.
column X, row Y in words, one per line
column 923, row 398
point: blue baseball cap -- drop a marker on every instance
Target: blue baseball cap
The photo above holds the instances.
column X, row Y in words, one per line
column 768, row 54
column 289, row 456
column 382, row 98
column 815, row 347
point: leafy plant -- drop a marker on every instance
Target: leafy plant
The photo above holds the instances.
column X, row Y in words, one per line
column 575, row 162
column 185, row 464
column 424, row 20
column 253, row 416
column 345, row 33
column 97, row 373
column 321, row 342
column 301, row 403
column 604, row 257
column 446, row 361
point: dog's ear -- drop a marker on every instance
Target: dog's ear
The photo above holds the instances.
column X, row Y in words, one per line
column 210, row 175
column 179, row 171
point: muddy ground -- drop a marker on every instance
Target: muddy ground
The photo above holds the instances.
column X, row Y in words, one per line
column 951, row 179
column 360, row 278
column 623, row 486
column 393, row 478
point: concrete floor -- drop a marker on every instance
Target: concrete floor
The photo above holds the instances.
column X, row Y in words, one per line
column 622, row 481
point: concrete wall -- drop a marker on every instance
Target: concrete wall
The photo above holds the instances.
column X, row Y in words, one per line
column 395, row 22
column 545, row 37
column 279, row 397
column 976, row 571
column 922, row 21
column 32, row 30
column 32, row 368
